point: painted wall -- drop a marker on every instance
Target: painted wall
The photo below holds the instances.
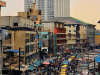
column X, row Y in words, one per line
column 97, row 39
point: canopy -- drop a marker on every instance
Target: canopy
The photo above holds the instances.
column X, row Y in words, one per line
column 46, row 63
column 84, row 65
column 63, row 70
column 65, row 62
column 16, row 51
column 97, row 59
column 51, row 61
column 73, row 56
column 82, row 59
column 31, row 67
column 37, row 62
column 64, row 66
column 63, row 73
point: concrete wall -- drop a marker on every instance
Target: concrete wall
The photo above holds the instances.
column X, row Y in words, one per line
column 19, row 40
column 23, row 14
column 90, row 33
column 82, row 32
column 22, row 22
column 49, row 26
column 71, row 41
column 97, row 39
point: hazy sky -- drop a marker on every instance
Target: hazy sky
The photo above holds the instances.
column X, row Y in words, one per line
column 86, row 10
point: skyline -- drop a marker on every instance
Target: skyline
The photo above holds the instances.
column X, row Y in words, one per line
column 85, row 10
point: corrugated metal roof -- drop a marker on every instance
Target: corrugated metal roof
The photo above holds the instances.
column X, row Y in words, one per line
column 72, row 19
column 67, row 22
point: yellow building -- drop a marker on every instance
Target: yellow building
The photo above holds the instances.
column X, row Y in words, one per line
column 75, row 32
column 97, row 38
column 33, row 14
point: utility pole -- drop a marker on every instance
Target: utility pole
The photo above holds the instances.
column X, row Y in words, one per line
column 19, row 60
column 82, row 50
column 88, row 61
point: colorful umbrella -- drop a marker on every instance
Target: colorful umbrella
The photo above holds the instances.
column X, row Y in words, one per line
column 46, row 63
column 82, row 59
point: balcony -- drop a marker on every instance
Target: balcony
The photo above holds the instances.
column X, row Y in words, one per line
column 7, row 42
column 60, row 30
column 61, row 42
column 30, row 53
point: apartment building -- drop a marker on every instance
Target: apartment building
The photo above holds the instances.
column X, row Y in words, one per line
column 83, row 30
column 33, row 14
column 59, row 33
column 50, row 8
column 21, row 34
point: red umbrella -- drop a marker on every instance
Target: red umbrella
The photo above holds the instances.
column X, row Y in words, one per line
column 46, row 63
column 83, row 59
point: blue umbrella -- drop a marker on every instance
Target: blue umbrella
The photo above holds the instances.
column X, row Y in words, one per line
column 51, row 61
column 16, row 51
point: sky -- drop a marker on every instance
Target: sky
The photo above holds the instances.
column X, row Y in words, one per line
column 85, row 10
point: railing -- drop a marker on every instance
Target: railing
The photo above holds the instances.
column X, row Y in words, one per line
column 8, row 41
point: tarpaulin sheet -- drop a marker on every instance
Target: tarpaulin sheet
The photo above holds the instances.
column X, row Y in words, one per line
column 97, row 59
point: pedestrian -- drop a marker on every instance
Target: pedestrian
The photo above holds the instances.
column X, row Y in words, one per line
column 68, row 72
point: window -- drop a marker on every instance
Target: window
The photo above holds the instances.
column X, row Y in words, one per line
column 44, row 36
column 69, row 30
column 69, row 36
column 69, row 25
column 73, row 25
column 15, row 24
column 34, row 16
column 34, row 22
column 74, row 30
column 39, row 12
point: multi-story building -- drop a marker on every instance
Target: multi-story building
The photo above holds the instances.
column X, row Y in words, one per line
column 33, row 14
column 21, row 34
column 90, row 33
column 47, row 41
column 75, row 32
column 84, row 30
column 28, row 4
column 59, row 33
column 50, row 8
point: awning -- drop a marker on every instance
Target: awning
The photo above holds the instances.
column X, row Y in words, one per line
column 84, row 65
column 97, row 59
column 31, row 67
column 37, row 62
column 65, row 62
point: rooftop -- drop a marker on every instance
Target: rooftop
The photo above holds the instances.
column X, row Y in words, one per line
column 18, row 28
column 71, row 19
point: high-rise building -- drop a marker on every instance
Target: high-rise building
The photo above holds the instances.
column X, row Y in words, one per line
column 50, row 8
